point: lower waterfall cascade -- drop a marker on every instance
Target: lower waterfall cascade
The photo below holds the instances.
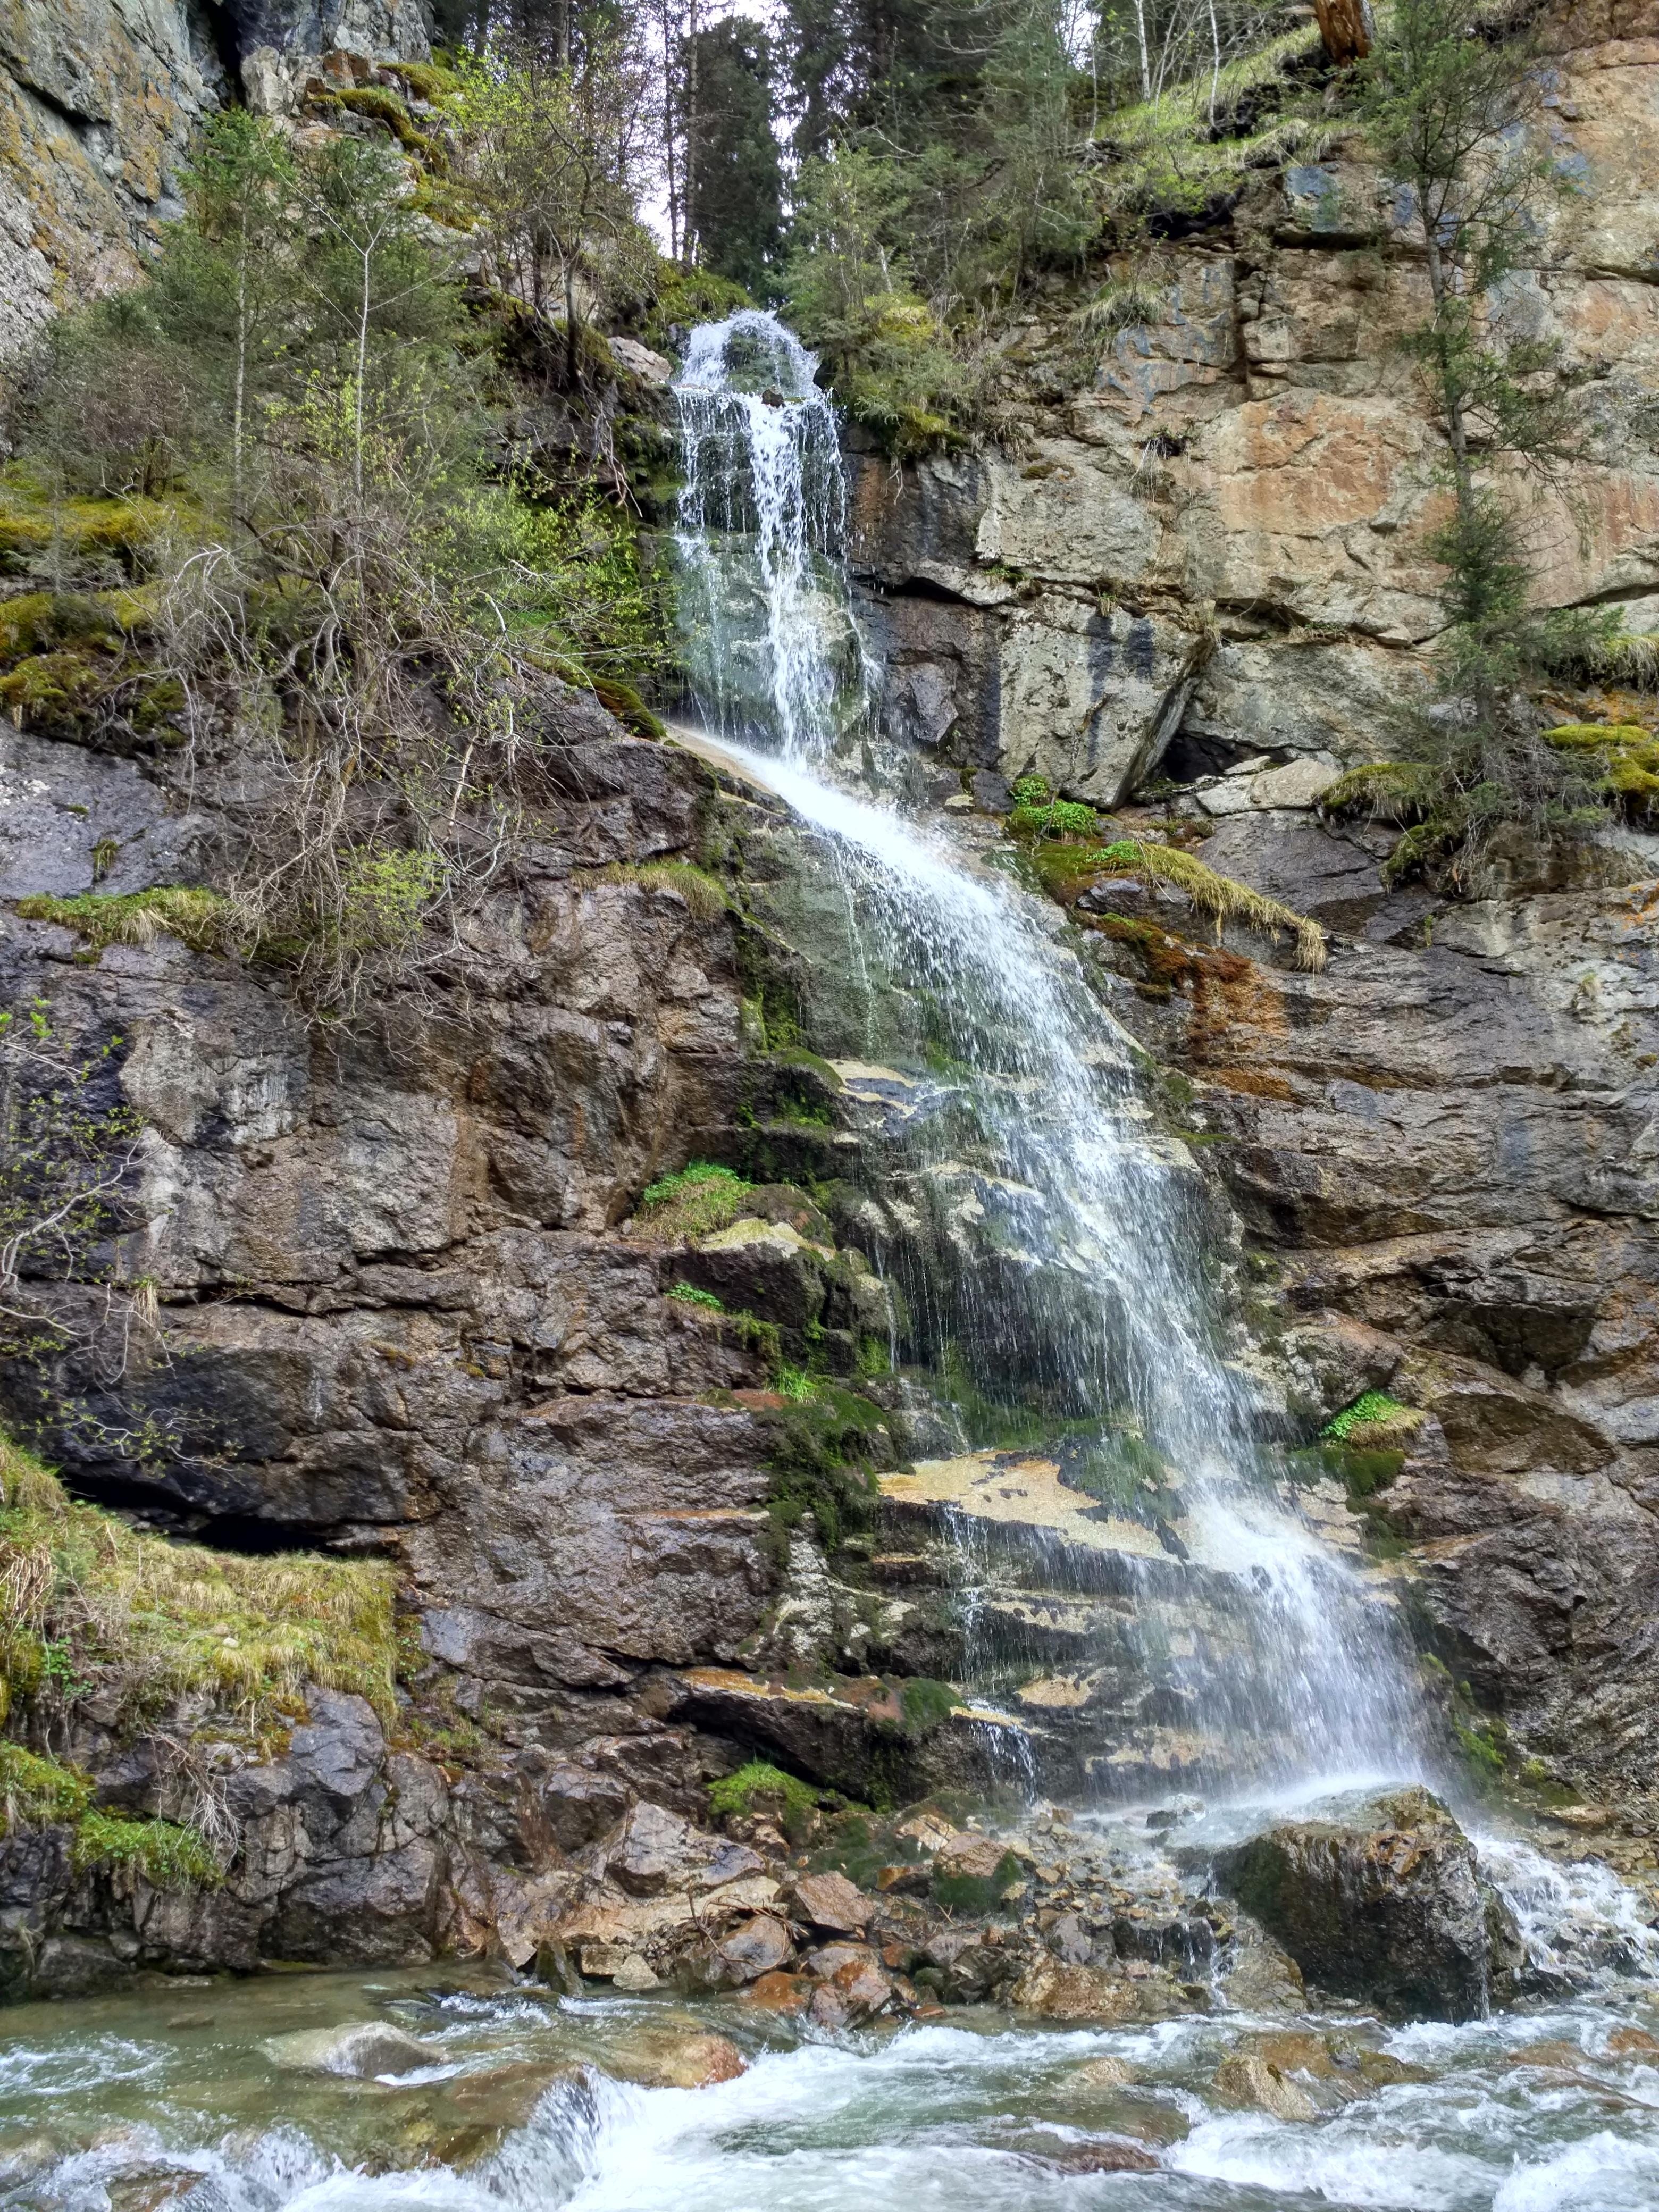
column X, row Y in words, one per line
column 1069, row 1278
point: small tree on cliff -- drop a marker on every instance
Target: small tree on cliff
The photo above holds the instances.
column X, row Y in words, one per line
column 1447, row 98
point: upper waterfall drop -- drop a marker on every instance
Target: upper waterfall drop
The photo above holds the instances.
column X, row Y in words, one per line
column 766, row 625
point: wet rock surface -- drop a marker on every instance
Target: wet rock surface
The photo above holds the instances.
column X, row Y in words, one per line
column 1384, row 1903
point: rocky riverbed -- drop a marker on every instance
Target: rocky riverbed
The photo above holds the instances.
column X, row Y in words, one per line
column 721, row 2015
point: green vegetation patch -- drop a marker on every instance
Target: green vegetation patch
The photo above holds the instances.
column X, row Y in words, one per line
column 826, row 1447
column 37, row 1792
column 760, row 1787
column 198, row 919
column 95, row 1607
column 688, row 1294
column 704, row 893
column 697, row 1201
column 1626, row 754
column 1038, row 813
column 977, row 1896
column 168, row 1854
column 1375, row 1422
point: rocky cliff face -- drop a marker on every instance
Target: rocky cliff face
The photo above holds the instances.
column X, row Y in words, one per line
column 1212, row 537
column 99, row 99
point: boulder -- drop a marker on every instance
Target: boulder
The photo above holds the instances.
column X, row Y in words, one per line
column 754, row 1948
column 1381, row 1901
column 362, row 2050
column 1246, row 2079
column 675, row 2056
column 829, row 1900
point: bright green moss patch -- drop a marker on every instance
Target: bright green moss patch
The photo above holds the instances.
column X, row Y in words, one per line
column 1626, row 753
column 927, row 1705
column 95, row 1608
column 199, row 918
column 167, row 1855
column 700, row 1199
column 1375, row 1422
column 37, row 1792
column 761, row 1788
column 622, row 701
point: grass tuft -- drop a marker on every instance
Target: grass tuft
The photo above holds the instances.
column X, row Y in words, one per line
column 198, row 919
column 705, row 895
column 140, row 1622
column 700, row 1199
column 1219, row 896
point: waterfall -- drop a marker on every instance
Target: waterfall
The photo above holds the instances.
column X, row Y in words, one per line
column 1084, row 1267
column 765, row 624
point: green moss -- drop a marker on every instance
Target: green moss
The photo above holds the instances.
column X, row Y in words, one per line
column 32, row 521
column 1388, row 791
column 167, row 1855
column 1627, row 754
column 622, row 701
column 977, row 1896
column 690, row 1295
column 926, row 1706
column 199, row 918
column 382, row 105
column 825, row 1452
column 700, row 1199
column 37, row 1792
column 760, row 1787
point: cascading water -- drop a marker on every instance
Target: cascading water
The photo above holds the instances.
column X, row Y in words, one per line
column 762, row 606
column 1091, row 1273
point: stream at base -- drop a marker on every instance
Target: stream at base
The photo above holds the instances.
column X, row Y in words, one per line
column 176, row 2097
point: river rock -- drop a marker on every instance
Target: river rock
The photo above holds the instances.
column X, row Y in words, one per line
column 677, row 2057
column 1244, row 2078
column 829, row 1900
column 1384, row 1903
column 361, row 2049
column 756, row 1948
column 1107, row 2072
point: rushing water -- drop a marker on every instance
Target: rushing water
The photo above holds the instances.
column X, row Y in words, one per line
column 1085, row 1275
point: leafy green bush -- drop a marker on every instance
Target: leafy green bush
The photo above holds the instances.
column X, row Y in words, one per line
column 690, row 1295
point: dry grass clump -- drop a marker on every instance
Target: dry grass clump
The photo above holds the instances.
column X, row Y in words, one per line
column 87, row 1604
column 703, row 893
column 1219, row 896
